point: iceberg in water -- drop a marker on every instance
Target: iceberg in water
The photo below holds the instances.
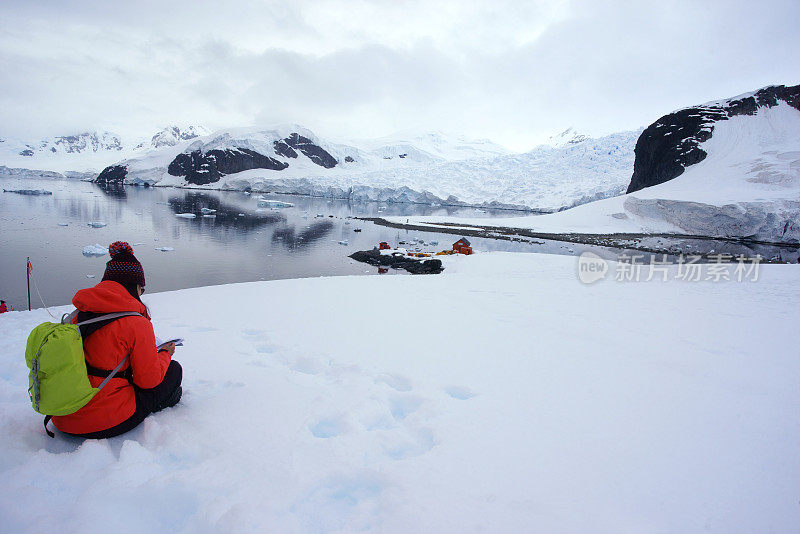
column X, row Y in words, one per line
column 35, row 192
column 94, row 250
column 207, row 210
column 186, row 215
column 165, row 249
column 97, row 224
column 270, row 203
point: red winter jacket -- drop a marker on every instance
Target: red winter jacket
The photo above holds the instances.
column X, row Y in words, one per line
column 108, row 346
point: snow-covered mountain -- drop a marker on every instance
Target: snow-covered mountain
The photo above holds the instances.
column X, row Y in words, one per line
column 430, row 168
column 172, row 135
column 89, row 150
column 570, row 136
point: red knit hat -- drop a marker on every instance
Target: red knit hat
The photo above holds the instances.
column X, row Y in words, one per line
column 123, row 268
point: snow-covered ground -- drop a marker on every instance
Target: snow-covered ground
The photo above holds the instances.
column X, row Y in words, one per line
column 748, row 185
column 500, row 396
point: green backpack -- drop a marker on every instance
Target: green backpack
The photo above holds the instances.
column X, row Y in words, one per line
column 58, row 383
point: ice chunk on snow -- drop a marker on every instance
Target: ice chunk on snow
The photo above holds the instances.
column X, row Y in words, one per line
column 95, row 250
column 186, row 215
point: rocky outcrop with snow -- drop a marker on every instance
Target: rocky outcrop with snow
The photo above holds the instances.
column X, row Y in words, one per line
column 570, row 136
column 172, row 135
column 673, row 143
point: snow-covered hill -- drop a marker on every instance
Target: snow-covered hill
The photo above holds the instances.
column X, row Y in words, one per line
column 87, row 151
column 507, row 397
column 746, row 185
column 431, row 168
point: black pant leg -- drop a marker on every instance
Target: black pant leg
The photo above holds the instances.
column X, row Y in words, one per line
column 153, row 399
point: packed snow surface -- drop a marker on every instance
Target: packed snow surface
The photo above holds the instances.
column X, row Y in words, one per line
column 500, row 396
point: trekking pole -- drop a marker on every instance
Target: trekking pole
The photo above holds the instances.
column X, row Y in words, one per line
column 28, row 271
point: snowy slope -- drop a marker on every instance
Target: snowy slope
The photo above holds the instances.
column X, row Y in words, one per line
column 747, row 186
column 467, row 410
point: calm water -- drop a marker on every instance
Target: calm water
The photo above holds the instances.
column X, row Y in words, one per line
column 242, row 243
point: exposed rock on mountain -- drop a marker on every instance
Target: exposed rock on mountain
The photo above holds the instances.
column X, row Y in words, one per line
column 115, row 174
column 313, row 152
column 672, row 143
column 204, row 168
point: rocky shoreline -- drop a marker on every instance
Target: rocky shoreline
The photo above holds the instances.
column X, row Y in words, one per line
column 770, row 252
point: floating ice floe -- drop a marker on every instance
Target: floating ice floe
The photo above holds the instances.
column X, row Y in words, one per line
column 207, row 210
column 97, row 224
column 95, row 250
column 89, row 276
column 137, row 244
column 165, row 249
column 63, row 224
column 271, row 203
column 186, row 215
column 344, row 242
column 210, row 215
column 35, row 192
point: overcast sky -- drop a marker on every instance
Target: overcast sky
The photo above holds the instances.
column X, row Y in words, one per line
column 512, row 71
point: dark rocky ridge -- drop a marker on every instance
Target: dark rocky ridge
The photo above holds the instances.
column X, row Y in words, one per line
column 204, row 168
column 112, row 175
column 305, row 145
column 671, row 144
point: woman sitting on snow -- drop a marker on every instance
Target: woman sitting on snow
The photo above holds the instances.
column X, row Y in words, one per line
column 151, row 380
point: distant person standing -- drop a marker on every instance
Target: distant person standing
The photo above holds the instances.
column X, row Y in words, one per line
column 3, row 308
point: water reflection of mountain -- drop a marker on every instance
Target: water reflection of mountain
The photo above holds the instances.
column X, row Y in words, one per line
column 224, row 215
column 288, row 236
column 113, row 190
